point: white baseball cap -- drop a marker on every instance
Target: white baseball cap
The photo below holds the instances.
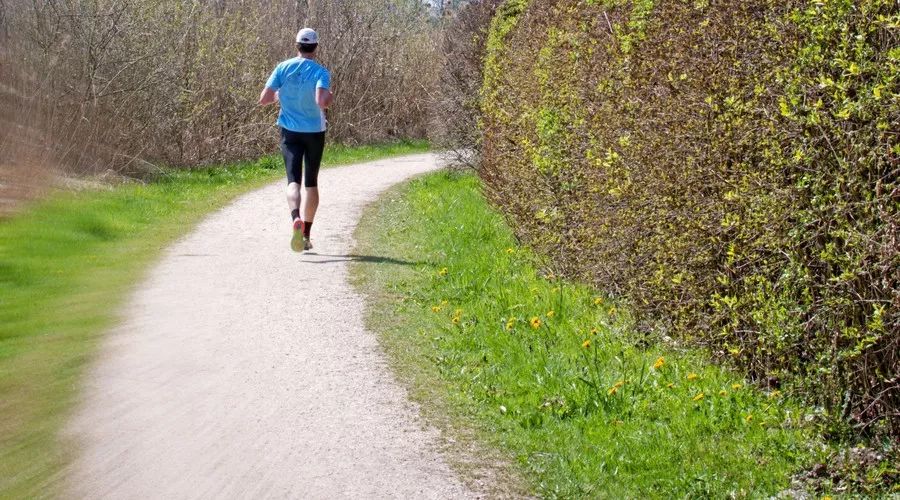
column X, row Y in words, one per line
column 307, row 35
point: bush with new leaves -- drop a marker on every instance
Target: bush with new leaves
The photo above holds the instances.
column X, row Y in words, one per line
column 731, row 168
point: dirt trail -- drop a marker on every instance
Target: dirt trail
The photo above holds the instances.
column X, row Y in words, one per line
column 243, row 370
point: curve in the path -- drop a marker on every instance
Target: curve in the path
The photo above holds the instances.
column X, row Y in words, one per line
column 243, row 370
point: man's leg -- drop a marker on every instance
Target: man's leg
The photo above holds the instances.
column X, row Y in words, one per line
column 315, row 147
column 310, row 203
column 292, row 149
column 293, row 198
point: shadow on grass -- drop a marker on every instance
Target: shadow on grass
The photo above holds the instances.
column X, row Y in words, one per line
column 374, row 259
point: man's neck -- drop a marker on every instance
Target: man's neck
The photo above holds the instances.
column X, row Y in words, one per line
column 301, row 55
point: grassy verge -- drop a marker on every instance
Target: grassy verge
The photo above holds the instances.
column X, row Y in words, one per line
column 551, row 374
column 66, row 266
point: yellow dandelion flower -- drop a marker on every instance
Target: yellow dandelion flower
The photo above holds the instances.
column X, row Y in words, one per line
column 436, row 309
column 692, row 376
column 598, row 301
column 659, row 363
column 748, row 418
column 510, row 323
column 455, row 320
column 612, row 391
column 551, row 313
column 698, row 397
column 723, row 393
column 775, row 393
column 735, row 387
column 510, row 250
column 594, row 331
column 444, row 302
column 586, row 343
column 670, row 385
column 443, row 271
column 535, row 322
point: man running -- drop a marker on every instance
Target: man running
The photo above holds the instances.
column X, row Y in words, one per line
column 302, row 86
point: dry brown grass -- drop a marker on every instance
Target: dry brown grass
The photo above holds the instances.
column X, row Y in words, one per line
column 90, row 86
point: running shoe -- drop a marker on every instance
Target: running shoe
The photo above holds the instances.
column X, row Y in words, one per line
column 297, row 240
column 307, row 245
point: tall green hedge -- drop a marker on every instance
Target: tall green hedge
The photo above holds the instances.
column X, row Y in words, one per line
column 730, row 167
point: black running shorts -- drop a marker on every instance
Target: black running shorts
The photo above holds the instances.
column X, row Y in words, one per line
column 295, row 146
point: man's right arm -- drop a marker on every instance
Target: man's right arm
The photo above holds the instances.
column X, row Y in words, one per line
column 323, row 90
column 324, row 97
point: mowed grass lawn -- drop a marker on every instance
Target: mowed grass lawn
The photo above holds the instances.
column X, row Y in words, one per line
column 66, row 266
column 550, row 372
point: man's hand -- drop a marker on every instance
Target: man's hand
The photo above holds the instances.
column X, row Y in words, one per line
column 268, row 96
column 324, row 97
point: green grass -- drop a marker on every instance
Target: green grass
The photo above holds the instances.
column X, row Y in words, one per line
column 66, row 266
column 575, row 401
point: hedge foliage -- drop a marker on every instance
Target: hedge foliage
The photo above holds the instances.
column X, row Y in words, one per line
column 730, row 167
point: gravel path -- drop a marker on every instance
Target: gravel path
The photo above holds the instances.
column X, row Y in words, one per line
column 243, row 370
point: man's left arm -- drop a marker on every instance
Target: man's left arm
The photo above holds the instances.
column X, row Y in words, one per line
column 270, row 92
column 268, row 96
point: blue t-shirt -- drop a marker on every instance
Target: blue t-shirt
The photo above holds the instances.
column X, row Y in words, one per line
column 296, row 81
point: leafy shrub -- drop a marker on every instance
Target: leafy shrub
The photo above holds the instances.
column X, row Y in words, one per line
column 730, row 167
